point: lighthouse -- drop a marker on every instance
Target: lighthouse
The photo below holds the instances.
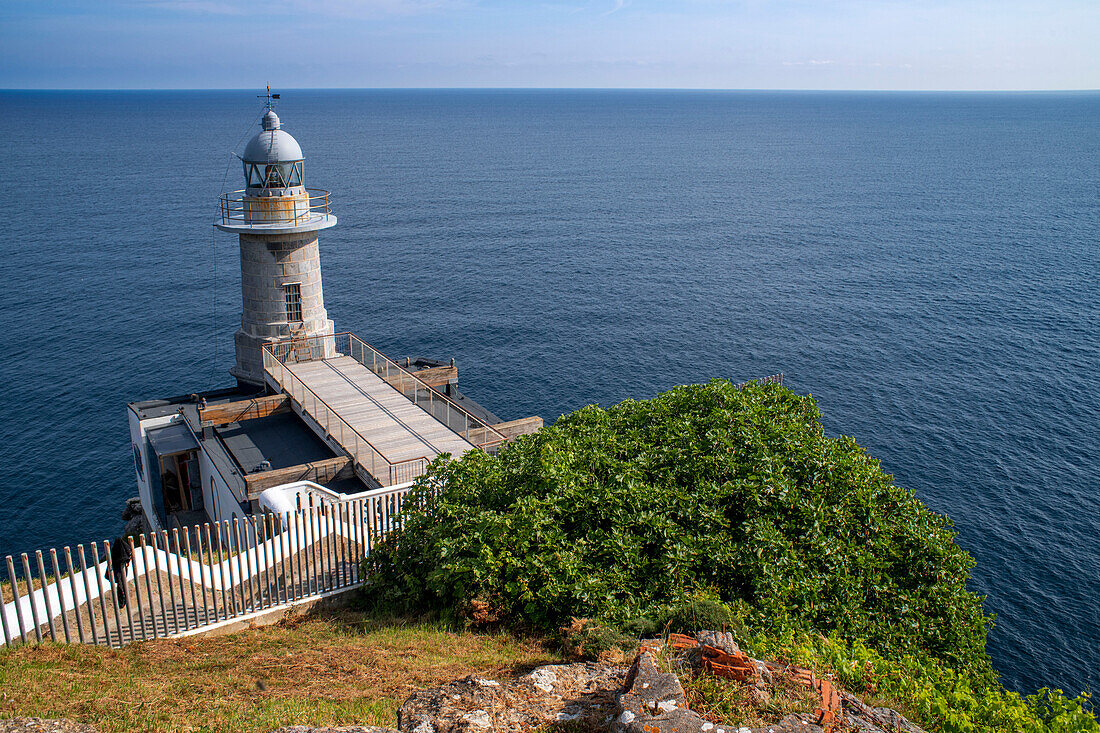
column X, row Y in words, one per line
column 277, row 220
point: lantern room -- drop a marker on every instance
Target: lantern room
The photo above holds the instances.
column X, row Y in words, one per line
column 272, row 160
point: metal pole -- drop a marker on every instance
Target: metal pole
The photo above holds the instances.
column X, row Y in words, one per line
column 211, row 562
column 318, row 549
column 60, row 599
column 362, row 553
column 15, row 597
column 141, row 611
column 179, row 572
column 168, row 580
column 4, row 619
column 236, row 536
column 299, row 550
column 29, row 580
column 46, row 594
column 114, row 592
column 99, row 578
column 87, row 590
column 72, row 587
column 160, row 588
column 287, row 561
column 271, row 574
column 325, row 537
column 261, row 572
column 137, row 586
column 202, row 577
column 224, row 564
column 242, row 545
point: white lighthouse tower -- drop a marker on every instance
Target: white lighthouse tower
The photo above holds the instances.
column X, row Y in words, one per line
column 277, row 220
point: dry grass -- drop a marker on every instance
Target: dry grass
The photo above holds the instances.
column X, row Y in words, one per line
column 727, row 702
column 7, row 596
column 340, row 668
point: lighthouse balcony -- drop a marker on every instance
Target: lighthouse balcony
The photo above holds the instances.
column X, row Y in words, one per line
column 304, row 211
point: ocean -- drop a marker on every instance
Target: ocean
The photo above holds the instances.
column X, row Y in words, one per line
column 925, row 265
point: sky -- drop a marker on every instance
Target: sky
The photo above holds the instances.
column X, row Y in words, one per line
column 710, row 44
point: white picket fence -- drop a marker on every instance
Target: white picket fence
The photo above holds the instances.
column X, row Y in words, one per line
column 181, row 582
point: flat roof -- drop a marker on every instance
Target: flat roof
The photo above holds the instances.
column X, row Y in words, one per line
column 281, row 439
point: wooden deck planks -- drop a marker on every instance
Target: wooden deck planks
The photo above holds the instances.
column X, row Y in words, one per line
column 396, row 427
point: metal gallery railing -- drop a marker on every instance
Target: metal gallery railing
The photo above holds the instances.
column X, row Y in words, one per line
column 238, row 208
column 280, row 357
column 167, row 584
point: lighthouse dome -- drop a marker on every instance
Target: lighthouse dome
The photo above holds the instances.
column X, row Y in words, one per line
column 272, row 144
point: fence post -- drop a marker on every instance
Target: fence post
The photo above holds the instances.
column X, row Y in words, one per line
column 236, row 537
column 330, row 541
column 113, row 581
column 87, row 591
column 202, row 576
column 168, row 581
column 29, row 580
column 141, row 611
column 211, row 562
column 60, row 600
column 314, row 548
column 300, row 554
column 149, row 569
column 102, row 601
column 259, row 571
column 46, row 595
column 15, row 597
column 224, row 564
column 179, row 574
column 73, row 587
column 4, row 619
column 160, row 588
column 344, row 547
column 288, row 559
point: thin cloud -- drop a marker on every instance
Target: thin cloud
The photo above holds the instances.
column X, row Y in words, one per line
column 619, row 5
column 312, row 8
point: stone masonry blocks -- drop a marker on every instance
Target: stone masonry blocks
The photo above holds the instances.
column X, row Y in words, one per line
column 267, row 263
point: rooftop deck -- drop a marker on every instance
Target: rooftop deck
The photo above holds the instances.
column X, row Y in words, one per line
column 389, row 421
column 397, row 428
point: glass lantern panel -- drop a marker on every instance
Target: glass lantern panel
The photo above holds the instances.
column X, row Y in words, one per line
column 276, row 175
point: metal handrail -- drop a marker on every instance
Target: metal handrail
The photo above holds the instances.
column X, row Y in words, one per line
column 382, row 365
column 237, row 207
column 394, row 474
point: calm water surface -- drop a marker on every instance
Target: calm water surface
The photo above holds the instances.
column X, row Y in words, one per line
column 925, row 265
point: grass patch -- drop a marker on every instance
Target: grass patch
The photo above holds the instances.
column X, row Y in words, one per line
column 337, row 668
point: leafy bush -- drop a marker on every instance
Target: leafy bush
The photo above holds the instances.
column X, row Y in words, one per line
column 707, row 491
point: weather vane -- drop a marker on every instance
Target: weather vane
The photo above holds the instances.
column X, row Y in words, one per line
column 269, row 97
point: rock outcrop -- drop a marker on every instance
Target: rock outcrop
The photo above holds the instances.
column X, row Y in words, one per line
column 584, row 694
column 643, row 699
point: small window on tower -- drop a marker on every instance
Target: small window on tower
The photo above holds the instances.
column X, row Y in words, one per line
column 293, row 294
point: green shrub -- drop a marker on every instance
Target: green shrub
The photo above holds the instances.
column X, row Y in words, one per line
column 942, row 699
column 733, row 493
column 701, row 613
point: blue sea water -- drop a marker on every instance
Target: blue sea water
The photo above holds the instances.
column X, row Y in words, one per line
column 926, row 265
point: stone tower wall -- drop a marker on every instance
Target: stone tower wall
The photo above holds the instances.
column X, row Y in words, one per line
column 267, row 263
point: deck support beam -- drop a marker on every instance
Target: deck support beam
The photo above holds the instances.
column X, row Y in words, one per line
column 231, row 412
column 318, row 472
column 515, row 428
